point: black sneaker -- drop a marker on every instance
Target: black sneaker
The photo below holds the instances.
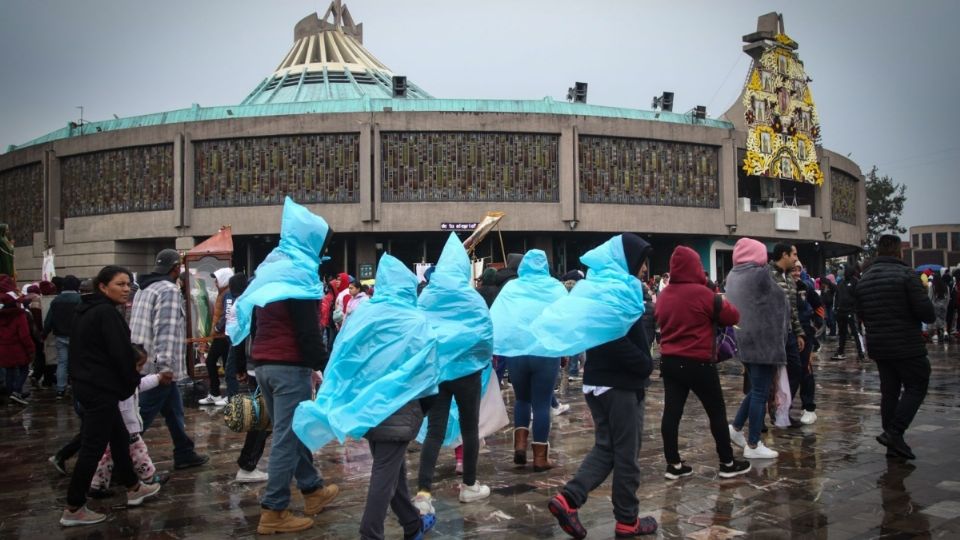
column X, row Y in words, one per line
column 60, row 394
column 896, row 444
column 58, row 464
column 839, row 356
column 674, row 473
column 19, row 398
column 195, row 460
column 734, row 468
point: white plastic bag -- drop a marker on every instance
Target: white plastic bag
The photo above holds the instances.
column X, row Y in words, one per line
column 493, row 412
column 782, row 397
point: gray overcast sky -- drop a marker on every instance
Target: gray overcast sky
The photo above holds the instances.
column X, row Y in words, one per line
column 886, row 74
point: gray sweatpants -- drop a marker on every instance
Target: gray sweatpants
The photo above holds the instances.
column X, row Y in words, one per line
column 388, row 486
column 618, row 420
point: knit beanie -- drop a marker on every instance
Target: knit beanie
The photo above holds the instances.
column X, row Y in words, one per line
column 749, row 250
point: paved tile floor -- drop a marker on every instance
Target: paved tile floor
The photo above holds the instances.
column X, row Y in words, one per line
column 830, row 481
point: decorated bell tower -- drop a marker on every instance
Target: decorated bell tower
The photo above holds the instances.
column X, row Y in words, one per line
column 776, row 108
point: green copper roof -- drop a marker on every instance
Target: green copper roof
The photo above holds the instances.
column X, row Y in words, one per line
column 368, row 105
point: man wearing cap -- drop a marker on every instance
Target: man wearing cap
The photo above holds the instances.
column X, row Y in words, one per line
column 159, row 326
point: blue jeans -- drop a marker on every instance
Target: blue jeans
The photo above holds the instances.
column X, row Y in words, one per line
column 14, row 377
column 754, row 404
column 283, row 388
column 166, row 400
column 63, row 347
column 532, row 378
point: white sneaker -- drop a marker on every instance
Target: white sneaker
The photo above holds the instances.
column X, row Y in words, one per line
column 474, row 493
column 808, row 417
column 220, row 401
column 737, row 438
column 142, row 493
column 559, row 409
column 760, row 452
column 209, row 400
column 249, row 477
column 424, row 503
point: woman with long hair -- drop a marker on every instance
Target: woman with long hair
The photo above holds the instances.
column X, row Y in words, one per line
column 104, row 368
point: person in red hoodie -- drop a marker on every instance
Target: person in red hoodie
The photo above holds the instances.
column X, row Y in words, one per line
column 685, row 313
column 16, row 346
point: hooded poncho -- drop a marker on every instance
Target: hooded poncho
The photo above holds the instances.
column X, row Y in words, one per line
column 385, row 358
column 461, row 320
column 520, row 302
column 601, row 307
column 290, row 271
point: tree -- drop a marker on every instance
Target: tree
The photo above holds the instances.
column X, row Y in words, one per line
column 885, row 199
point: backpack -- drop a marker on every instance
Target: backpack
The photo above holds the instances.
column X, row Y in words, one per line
column 725, row 342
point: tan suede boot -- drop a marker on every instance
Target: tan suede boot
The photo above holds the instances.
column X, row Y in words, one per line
column 281, row 521
column 520, row 436
column 315, row 502
column 541, row 462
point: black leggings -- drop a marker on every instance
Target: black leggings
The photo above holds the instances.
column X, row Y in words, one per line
column 847, row 326
column 466, row 390
column 680, row 376
column 218, row 349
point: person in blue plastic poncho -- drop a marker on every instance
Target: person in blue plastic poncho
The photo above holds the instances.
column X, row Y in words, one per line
column 461, row 319
column 382, row 363
column 532, row 369
column 287, row 349
column 615, row 376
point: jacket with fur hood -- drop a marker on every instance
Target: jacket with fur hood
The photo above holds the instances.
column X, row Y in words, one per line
column 764, row 314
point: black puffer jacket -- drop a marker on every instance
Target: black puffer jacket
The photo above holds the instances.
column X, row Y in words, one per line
column 401, row 426
column 891, row 302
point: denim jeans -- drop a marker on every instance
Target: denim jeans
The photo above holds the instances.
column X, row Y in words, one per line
column 166, row 400
column 618, row 423
column 283, row 388
column 63, row 347
column 754, row 404
column 14, row 377
column 533, row 378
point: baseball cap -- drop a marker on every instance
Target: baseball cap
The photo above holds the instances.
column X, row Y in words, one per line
column 166, row 260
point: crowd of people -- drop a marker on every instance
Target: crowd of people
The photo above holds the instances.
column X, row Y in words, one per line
column 410, row 359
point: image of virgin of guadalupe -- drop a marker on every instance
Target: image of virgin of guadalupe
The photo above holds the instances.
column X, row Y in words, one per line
column 783, row 100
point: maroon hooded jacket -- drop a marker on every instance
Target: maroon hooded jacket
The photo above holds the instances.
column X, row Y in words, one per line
column 685, row 310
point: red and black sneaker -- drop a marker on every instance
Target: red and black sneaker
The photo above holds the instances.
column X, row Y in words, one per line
column 644, row 525
column 567, row 517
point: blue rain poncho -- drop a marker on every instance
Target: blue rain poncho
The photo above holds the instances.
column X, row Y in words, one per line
column 290, row 271
column 383, row 358
column 519, row 303
column 599, row 309
column 461, row 320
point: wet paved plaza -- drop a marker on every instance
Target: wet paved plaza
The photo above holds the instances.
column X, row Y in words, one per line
column 831, row 480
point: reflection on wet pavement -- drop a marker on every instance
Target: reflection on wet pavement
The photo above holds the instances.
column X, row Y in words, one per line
column 831, row 480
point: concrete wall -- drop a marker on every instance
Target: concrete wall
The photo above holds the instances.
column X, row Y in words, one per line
column 87, row 242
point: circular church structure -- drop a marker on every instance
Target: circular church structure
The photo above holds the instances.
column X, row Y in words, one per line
column 393, row 169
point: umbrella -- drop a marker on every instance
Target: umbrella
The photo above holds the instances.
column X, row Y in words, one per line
column 930, row 267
